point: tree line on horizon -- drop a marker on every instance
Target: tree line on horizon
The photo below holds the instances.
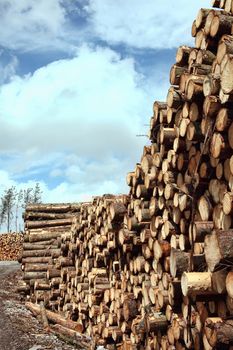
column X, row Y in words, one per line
column 13, row 202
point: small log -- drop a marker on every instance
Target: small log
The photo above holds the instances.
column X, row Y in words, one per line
column 48, row 223
column 226, row 83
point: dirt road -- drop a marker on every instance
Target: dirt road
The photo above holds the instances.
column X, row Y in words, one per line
column 19, row 330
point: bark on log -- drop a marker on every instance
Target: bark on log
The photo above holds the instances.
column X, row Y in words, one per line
column 48, row 223
column 53, row 317
column 196, row 283
column 218, row 247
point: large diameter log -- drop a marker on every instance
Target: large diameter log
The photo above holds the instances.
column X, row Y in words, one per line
column 218, row 247
column 221, row 24
column 197, row 283
column 219, row 331
column 48, row 223
column 53, row 317
column 181, row 261
column 117, row 210
column 130, row 310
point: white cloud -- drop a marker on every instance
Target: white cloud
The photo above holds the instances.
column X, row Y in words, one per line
column 76, row 121
column 8, row 69
column 144, row 24
column 31, row 24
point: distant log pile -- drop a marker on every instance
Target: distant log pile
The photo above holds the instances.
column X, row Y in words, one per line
column 11, row 246
column 44, row 225
column 154, row 269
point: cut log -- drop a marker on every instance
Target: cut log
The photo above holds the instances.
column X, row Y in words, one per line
column 53, row 317
column 196, row 283
column 218, row 247
column 219, row 331
column 226, row 83
column 54, row 208
column 48, row 223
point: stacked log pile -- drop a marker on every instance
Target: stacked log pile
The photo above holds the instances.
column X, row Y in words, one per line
column 154, row 269
column 44, row 225
column 11, row 246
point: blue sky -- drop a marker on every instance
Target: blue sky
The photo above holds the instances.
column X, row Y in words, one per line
column 77, row 84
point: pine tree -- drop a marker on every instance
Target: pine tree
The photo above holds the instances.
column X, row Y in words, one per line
column 37, row 193
column 19, row 198
column 7, row 205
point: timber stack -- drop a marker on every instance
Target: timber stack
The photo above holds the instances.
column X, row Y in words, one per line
column 44, row 225
column 154, row 269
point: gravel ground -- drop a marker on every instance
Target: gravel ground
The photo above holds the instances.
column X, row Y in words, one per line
column 19, row 330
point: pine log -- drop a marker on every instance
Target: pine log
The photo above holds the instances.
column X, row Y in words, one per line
column 48, row 223
column 55, row 253
column 226, row 83
column 219, row 331
column 196, row 283
column 54, row 208
column 43, row 236
column 221, row 24
column 218, row 247
column 53, row 317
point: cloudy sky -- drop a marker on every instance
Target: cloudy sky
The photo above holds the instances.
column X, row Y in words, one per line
column 77, row 82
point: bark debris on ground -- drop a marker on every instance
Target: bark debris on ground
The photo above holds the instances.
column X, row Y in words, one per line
column 19, row 330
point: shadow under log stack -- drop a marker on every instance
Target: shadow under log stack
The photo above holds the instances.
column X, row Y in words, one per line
column 154, row 269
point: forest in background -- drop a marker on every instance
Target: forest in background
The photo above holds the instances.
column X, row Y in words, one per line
column 13, row 203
